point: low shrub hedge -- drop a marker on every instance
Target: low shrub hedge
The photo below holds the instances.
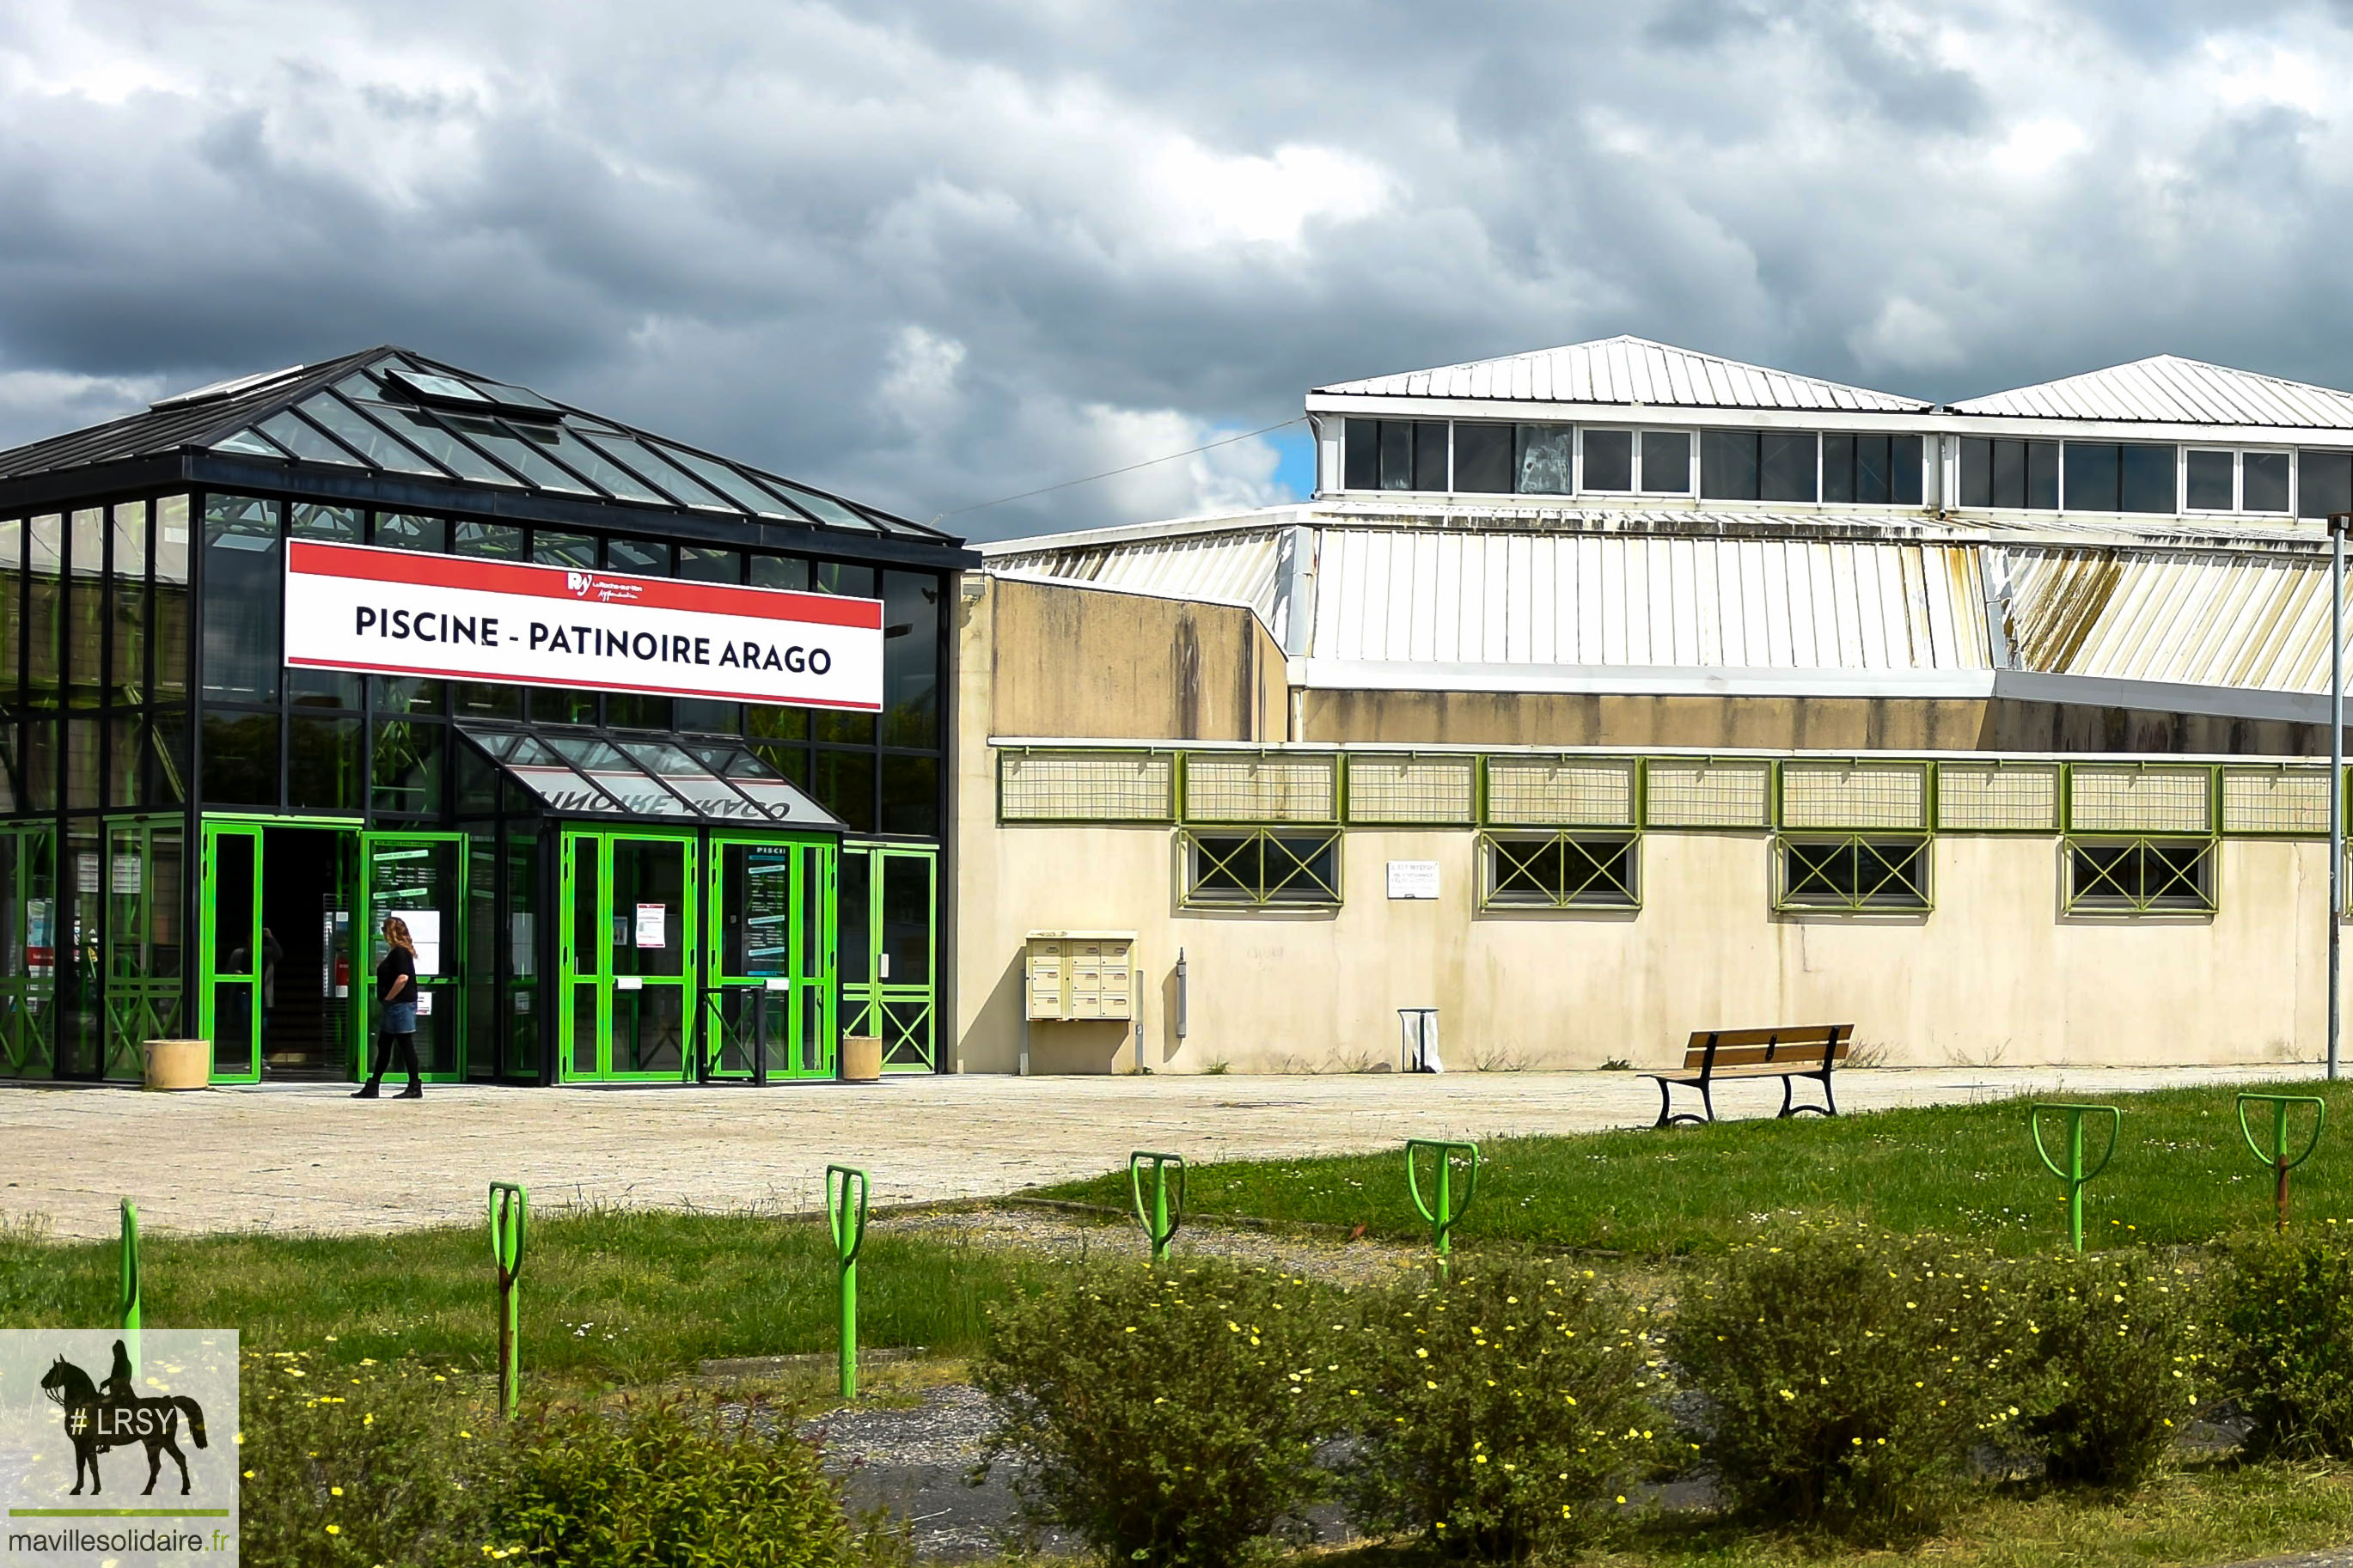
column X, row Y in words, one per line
column 1504, row 1413
column 2115, row 1364
column 677, row 1481
column 1169, row 1418
column 1846, row 1382
column 2286, row 1316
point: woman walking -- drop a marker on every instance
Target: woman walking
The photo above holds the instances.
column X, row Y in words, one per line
column 396, row 991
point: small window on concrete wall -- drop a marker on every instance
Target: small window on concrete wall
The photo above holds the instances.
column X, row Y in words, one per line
column 1257, row 870
column 1560, row 871
column 2141, row 876
column 1856, row 873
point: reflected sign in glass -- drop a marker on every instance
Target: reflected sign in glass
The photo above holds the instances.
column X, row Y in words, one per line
column 395, row 612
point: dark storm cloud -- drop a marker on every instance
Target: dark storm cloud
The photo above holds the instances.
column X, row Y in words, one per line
column 933, row 254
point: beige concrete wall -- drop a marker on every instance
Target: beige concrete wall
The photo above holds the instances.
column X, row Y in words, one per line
column 1079, row 661
column 1997, row 973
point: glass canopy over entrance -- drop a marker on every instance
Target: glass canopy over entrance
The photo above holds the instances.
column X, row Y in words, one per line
column 685, row 781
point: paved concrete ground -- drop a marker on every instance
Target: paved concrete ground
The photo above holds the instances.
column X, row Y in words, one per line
column 302, row 1157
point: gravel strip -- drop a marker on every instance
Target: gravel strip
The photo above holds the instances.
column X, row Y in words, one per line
column 1077, row 1239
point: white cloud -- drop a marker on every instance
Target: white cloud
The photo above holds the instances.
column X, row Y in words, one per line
column 1907, row 336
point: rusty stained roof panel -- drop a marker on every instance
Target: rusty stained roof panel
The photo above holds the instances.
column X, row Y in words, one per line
column 2193, row 617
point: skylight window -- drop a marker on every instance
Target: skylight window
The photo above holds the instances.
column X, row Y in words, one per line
column 439, row 388
column 516, row 453
column 720, row 477
column 621, row 449
column 421, row 428
column 247, row 441
column 825, row 509
column 377, row 443
column 305, row 441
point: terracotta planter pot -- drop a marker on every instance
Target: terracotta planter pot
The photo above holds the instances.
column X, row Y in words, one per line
column 179, row 1064
column 861, row 1058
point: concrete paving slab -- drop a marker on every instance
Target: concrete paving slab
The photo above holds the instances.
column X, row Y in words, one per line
column 308, row 1158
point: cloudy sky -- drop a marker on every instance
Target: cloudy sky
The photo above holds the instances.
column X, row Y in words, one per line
column 936, row 254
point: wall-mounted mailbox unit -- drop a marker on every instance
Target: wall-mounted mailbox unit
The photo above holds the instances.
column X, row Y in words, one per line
column 1071, row 975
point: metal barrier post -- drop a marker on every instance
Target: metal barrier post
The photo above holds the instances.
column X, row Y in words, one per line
column 1161, row 1223
column 1443, row 1216
column 128, row 1307
column 509, row 1205
column 849, row 1237
column 2277, row 1158
column 2075, row 1175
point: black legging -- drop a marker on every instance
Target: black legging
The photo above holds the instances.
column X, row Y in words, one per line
column 386, row 1043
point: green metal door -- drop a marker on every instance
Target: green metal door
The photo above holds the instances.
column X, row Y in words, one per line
column 769, row 985
column 229, row 951
column 28, row 958
column 629, row 960
column 421, row 878
column 145, row 903
column 889, row 927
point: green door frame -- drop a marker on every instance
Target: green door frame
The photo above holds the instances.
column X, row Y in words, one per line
column 213, row 976
column 138, row 1004
column 29, row 970
column 597, row 969
column 906, row 1015
column 447, row 984
column 807, row 991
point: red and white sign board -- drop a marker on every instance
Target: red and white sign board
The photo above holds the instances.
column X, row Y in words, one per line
column 395, row 612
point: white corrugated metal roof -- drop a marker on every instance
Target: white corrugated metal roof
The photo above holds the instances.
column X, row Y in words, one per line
column 2167, row 389
column 1592, row 600
column 1239, row 568
column 1626, row 370
column 2190, row 617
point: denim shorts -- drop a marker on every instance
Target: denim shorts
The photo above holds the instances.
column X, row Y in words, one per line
column 400, row 1017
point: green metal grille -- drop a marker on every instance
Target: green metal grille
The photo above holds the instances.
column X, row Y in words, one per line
column 1224, row 786
column 1431, row 791
column 1262, row 868
column 1998, row 798
column 2141, row 876
column 1561, row 792
column 1561, row 871
column 1086, row 786
column 1685, row 792
column 1854, row 794
column 2158, row 798
column 1853, row 873
column 2280, row 800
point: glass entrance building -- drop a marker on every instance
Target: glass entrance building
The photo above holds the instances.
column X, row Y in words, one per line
column 255, row 696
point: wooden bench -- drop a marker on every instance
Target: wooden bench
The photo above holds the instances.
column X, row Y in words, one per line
column 1796, row 1051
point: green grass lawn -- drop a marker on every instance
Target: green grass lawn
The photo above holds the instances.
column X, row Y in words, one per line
column 2181, row 1175
column 626, row 1297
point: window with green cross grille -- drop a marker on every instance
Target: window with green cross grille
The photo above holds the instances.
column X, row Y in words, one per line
column 2141, row 876
column 1561, row 870
column 1263, row 867
column 1853, row 872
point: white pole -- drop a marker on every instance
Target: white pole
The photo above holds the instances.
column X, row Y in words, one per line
column 2337, row 524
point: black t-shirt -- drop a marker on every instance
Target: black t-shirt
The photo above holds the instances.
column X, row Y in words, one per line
column 396, row 962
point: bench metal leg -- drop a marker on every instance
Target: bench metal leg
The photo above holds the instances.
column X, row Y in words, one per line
column 1790, row 1082
column 1668, row 1117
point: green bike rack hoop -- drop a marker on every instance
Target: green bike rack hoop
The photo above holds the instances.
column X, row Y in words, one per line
column 1163, row 1219
column 127, row 1308
column 510, row 1219
column 849, row 1225
column 2277, row 1158
column 2075, row 1175
column 1440, row 1209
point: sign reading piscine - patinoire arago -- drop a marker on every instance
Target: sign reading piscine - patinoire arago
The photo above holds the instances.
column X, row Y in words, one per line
column 395, row 612
column 118, row 1448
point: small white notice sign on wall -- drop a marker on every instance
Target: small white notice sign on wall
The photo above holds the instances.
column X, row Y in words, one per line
column 1413, row 879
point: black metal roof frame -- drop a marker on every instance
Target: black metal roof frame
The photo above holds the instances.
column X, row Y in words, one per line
column 175, row 443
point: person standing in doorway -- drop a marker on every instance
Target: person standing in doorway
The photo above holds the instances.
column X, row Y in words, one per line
column 395, row 992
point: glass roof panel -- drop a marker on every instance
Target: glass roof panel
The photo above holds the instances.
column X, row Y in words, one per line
column 750, row 497
column 247, row 441
column 748, row 773
column 614, row 774
column 544, row 774
column 824, row 507
column 417, row 425
column 667, row 475
column 448, row 387
column 369, row 437
column 590, row 464
column 305, row 442
column 512, row 397
column 516, row 453
column 703, row 789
